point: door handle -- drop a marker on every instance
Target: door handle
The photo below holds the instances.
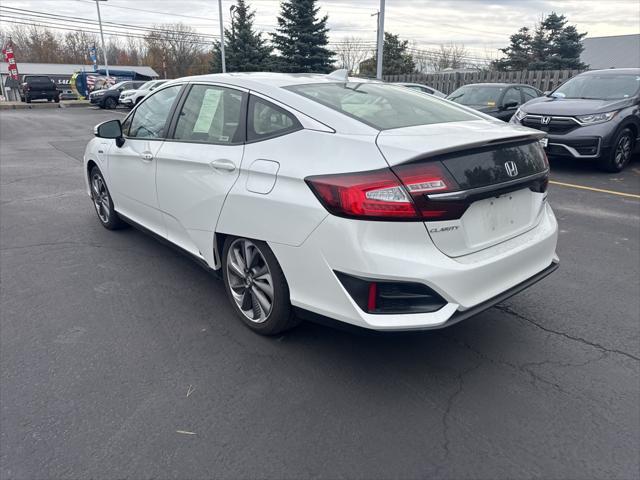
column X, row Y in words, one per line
column 146, row 156
column 223, row 164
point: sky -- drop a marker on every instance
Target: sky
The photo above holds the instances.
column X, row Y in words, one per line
column 482, row 26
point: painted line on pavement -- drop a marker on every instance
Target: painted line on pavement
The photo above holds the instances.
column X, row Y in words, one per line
column 592, row 189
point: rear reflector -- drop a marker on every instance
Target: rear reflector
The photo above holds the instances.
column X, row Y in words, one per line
column 388, row 297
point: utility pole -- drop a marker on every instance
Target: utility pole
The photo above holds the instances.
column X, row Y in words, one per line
column 104, row 50
column 380, row 41
column 224, row 66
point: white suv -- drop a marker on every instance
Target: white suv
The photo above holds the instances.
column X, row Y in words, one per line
column 130, row 98
column 361, row 201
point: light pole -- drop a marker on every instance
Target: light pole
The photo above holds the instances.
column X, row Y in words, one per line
column 380, row 41
column 104, row 50
column 224, row 66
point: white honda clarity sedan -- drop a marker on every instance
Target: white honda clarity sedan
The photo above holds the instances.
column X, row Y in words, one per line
column 364, row 202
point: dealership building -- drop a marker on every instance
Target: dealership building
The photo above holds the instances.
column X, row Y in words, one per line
column 61, row 72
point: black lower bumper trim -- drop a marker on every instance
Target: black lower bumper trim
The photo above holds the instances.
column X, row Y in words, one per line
column 464, row 314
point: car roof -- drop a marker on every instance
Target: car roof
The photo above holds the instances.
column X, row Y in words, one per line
column 613, row 71
column 269, row 79
column 497, row 85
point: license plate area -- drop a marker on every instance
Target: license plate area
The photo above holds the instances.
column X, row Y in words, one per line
column 492, row 220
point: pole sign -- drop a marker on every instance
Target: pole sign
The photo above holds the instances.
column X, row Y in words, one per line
column 11, row 60
column 94, row 57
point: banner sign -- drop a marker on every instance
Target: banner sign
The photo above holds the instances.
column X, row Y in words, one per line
column 11, row 60
column 94, row 57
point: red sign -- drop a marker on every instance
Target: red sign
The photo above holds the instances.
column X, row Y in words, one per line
column 11, row 60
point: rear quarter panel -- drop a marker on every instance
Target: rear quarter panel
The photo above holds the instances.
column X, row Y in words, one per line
column 275, row 204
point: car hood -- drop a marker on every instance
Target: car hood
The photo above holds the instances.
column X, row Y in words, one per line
column 570, row 107
column 127, row 92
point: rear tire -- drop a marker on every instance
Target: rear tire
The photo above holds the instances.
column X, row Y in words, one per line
column 620, row 154
column 256, row 286
column 102, row 201
column 27, row 99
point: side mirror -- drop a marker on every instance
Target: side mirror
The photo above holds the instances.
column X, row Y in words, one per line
column 546, row 93
column 509, row 105
column 110, row 129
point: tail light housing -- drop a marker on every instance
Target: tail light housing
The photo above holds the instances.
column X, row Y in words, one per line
column 397, row 194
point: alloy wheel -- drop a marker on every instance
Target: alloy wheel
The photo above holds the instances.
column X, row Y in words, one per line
column 100, row 198
column 250, row 280
column 623, row 150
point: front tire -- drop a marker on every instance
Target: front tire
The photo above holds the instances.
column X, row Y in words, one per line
column 256, row 286
column 102, row 201
column 620, row 154
column 110, row 103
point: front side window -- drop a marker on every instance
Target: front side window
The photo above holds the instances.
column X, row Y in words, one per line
column 382, row 106
column 211, row 114
column 269, row 120
column 150, row 118
column 512, row 95
column 529, row 94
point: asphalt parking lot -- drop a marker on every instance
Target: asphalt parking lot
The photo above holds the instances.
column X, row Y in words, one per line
column 121, row 358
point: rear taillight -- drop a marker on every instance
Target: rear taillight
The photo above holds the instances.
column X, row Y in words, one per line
column 376, row 194
column 400, row 193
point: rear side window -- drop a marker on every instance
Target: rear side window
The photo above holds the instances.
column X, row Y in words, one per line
column 38, row 80
column 382, row 106
column 211, row 114
column 267, row 120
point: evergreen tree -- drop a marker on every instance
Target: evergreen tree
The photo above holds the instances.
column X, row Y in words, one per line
column 301, row 38
column 396, row 60
column 553, row 46
column 245, row 49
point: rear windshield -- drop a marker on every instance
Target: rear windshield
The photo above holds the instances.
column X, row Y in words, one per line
column 36, row 79
column 477, row 96
column 382, row 106
column 600, row 87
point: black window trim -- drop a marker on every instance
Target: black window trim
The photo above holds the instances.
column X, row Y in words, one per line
column 170, row 117
column 242, row 126
column 253, row 97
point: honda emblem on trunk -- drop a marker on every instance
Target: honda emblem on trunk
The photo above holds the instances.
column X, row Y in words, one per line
column 545, row 120
column 511, row 168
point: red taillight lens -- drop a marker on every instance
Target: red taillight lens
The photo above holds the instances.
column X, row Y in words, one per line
column 377, row 194
column 384, row 194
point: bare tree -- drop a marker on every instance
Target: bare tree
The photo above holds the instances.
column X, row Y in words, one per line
column 350, row 52
column 179, row 47
column 450, row 56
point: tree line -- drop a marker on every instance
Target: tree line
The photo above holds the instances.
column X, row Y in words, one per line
column 299, row 44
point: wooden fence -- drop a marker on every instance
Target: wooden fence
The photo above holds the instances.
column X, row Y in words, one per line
column 447, row 82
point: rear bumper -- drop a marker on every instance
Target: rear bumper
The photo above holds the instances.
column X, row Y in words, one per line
column 404, row 252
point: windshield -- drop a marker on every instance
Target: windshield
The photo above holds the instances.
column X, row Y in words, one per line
column 117, row 85
column 382, row 106
column 477, row 95
column 146, row 85
column 600, row 87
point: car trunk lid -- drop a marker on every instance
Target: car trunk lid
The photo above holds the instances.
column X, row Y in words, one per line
column 496, row 180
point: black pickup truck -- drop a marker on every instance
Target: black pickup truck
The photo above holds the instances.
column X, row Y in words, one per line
column 34, row 87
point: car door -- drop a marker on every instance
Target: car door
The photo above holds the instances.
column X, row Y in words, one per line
column 132, row 167
column 511, row 95
column 199, row 164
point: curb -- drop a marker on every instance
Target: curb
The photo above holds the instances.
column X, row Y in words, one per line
column 36, row 106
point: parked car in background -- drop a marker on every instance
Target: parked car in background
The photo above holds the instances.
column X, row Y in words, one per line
column 593, row 116
column 362, row 201
column 130, row 98
column 109, row 97
column 422, row 88
column 500, row 100
column 38, row 87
